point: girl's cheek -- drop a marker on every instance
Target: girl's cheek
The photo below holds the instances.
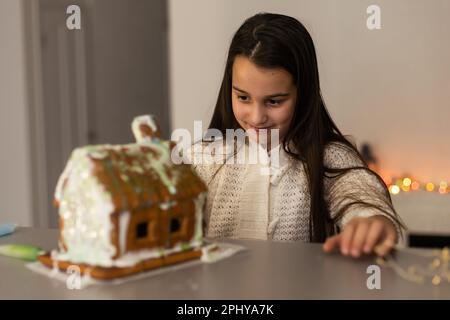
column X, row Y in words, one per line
column 239, row 110
column 286, row 114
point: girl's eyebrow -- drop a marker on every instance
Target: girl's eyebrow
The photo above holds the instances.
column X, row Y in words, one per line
column 281, row 94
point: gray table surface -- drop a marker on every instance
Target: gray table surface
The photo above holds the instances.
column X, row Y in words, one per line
column 266, row 270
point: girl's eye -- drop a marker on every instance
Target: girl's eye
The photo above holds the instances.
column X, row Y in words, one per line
column 243, row 98
column 274, row 102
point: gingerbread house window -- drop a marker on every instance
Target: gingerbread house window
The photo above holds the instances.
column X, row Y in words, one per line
column 146, row 234
column 144, row 230
column 175, row 225
column 181, row 222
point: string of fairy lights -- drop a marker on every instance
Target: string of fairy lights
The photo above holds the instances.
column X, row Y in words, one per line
column 403, row 183
column 408, row 184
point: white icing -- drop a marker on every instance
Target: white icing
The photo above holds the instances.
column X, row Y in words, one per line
column 199, row 202
column 124, row 219
column 145, row 119
column 218, row 251
column 158, row 165
column 167, row 205
column 85, row 209
column 62, row 178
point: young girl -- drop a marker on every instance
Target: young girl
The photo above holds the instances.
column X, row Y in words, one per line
column 323, row 190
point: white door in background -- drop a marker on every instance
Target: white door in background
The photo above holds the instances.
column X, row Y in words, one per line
column 95, row 80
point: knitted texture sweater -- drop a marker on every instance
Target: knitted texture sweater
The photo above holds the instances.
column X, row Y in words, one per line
column 243, row 203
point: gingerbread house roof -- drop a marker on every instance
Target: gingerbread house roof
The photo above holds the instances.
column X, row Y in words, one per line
column 131, row 176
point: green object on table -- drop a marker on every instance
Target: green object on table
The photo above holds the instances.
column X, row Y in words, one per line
column 21, row 251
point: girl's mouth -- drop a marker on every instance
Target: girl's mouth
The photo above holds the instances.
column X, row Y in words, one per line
column 257, row 129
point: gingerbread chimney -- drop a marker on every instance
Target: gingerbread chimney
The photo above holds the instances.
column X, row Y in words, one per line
column 145, row 128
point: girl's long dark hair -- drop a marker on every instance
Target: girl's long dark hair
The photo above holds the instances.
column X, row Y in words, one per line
column 273, row 41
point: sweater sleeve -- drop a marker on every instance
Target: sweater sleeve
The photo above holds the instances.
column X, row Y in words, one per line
column 352, row 186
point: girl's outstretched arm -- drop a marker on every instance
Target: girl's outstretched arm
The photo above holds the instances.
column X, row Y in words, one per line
column 360, row 205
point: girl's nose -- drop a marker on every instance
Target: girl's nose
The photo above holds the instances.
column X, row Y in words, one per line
column 258, row 116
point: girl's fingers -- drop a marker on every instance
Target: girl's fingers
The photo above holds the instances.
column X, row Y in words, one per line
column 331, row 243
column 363, row 235
column 387, row 244
column 346, row 238
column 359, row 237
column 375, row 232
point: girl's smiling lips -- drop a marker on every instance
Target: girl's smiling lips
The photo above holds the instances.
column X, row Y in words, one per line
column 259, row 128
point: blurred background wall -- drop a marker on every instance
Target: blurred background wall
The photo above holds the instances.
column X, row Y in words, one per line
column 59, row 89
column 389, row 87
column 15, row 162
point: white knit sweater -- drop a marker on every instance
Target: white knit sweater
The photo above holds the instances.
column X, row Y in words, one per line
column 244, row 204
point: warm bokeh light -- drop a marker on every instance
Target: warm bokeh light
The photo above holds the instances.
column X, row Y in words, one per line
column 407, row 182
column 394, row 189
column 415, row 185
column 405, row 188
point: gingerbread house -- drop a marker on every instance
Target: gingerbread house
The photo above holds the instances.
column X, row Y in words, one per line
column 127, row 208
